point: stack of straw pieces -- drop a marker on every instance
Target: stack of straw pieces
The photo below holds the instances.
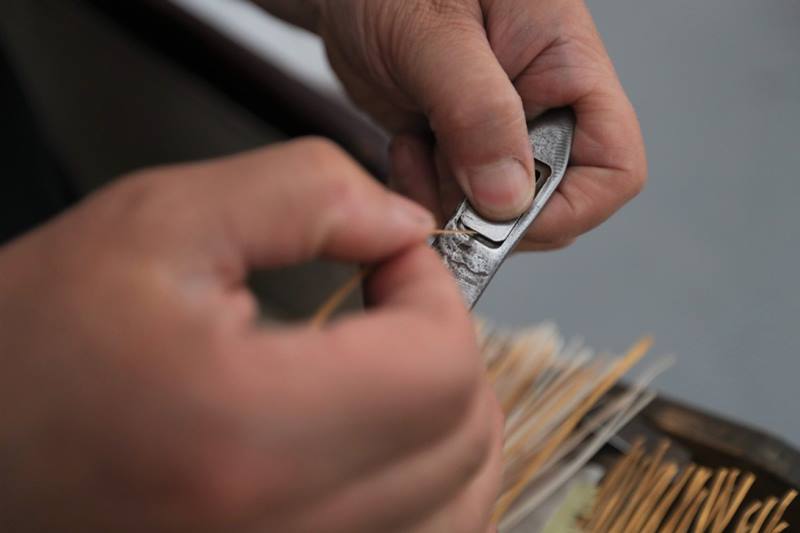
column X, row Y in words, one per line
column 561, row 408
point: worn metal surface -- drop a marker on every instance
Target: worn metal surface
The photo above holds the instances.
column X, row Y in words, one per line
column 474, row 259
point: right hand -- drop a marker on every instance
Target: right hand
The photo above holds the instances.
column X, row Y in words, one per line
column 139, row 393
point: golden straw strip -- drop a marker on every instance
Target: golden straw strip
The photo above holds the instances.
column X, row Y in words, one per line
column 763, row 514
column 621, row 368
column 618, row 470
column 724, row 501
column 744, row 522
column 646, row 510
column 643, row 489
column 701, row 476
column 738, row 499
column 711, row 507
column 664, row 505
column 333, row 303
column 612, row 504
column 610, row 486
column 776, row 518
column 688, row 518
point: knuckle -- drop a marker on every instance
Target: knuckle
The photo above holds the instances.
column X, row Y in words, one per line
column 342, row 195
column 149, row 191
column 153, row 203
column 318, row 149
column 341, row 180
column 445, row 17
column 635, row 173
column 476, row 110
column 430, row 15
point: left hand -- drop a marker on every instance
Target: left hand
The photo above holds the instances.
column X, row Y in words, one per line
column 455, row 80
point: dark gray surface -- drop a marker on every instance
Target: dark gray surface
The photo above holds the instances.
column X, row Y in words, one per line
column 707, row 258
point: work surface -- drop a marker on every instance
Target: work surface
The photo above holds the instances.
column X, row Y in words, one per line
column 707, row 259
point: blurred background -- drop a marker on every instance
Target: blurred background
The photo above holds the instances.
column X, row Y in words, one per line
column 706, row 259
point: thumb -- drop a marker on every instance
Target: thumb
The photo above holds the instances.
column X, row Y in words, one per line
column 475, row 113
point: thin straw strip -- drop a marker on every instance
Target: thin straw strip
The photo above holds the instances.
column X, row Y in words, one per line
column 686, row 521
column 619, row 404
column 555, row 383
column 553, row 414
column 641, row 491
column 608, row 506
column 724, row 501
column 779, row 512
column 738, row 499
column 744, row 522
column 326, row 311
column 763, row 514
column 544, row 491
column 712, row 503
column 669, row 498
column 621, row 368
column 615, row 477
column 701, row 476
column 665, row 477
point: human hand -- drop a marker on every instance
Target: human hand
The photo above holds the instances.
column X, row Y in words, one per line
column 455, row 80
column 139, row 393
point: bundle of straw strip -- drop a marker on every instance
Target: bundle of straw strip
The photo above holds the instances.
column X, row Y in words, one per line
column 559, row 409
column 644, row 494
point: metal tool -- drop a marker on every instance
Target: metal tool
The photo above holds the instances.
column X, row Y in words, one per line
column 475, row 257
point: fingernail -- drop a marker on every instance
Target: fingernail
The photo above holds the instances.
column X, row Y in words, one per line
column 407, row 213
column 501, row 190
